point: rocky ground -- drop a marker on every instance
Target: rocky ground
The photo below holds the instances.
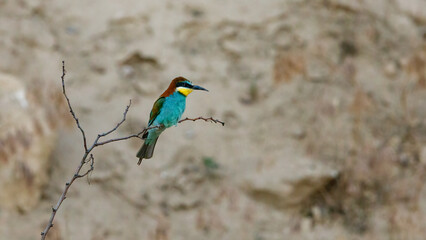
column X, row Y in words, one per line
column 323, row 102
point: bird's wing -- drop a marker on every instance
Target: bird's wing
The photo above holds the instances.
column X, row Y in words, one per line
column 155, row 110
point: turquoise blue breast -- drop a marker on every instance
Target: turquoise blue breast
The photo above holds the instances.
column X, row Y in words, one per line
column 171, row 111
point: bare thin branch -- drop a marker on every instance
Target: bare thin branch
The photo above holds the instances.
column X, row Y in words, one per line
column 202, row 118
column 138, row 135
column 70, row 107
column 63, row 197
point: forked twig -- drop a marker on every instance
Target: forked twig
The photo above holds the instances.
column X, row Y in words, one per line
column 88, row 156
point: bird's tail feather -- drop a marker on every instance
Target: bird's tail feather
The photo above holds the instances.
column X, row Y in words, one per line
column 146, row 151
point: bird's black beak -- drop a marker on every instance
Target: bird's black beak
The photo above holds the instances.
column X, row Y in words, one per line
column 195, row 87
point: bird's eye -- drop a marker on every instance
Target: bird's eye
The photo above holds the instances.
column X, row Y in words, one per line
column 184, row 84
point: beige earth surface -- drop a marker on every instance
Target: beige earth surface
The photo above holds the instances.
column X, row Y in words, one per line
column 324, row 103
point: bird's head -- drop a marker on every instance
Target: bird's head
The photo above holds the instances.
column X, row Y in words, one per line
column 184, row 86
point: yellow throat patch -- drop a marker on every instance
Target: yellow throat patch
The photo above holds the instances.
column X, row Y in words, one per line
column 185, row 91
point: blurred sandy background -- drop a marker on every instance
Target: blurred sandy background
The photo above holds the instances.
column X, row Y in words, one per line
column 324, row 104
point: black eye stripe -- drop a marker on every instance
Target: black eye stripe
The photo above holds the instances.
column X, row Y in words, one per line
column 183, row 84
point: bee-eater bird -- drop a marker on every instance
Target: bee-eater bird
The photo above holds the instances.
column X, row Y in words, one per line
column 166, row 112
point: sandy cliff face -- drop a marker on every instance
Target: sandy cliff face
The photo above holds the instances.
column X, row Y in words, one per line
column 323, row 103
column 27, row 138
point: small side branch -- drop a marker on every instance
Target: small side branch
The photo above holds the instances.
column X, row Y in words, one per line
column 138, row 135
column 70, row 107
column 92, row 162
column 203, row 118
